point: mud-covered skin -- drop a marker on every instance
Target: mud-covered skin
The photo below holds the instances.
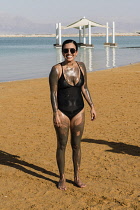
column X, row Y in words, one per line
column 53, row 80
column 62, row 123
column 76, row 127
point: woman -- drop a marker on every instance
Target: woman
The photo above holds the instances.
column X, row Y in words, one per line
column 68, row 82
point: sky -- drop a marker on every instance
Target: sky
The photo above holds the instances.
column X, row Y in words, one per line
column 20, row 14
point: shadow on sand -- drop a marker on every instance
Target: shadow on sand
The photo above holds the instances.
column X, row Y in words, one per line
column 15, row 162
column 117, row 147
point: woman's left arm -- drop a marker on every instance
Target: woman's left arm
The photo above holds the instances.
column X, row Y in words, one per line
column 86, row 93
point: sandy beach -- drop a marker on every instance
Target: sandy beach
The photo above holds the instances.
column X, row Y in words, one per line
column 110, row 146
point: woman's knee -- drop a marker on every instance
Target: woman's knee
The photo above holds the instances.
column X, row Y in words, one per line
column 75, row 145
column 61, row 147
column 61, row 144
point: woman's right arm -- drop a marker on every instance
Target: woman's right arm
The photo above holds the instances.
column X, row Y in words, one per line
column 53, row 81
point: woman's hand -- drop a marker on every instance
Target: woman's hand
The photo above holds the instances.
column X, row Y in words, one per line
column 93, row 113
column 56, row 119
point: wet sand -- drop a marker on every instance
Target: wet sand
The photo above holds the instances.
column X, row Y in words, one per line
column 110, row 146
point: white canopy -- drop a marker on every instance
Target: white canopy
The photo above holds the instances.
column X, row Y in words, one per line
column 84, row 22
column 81, row 24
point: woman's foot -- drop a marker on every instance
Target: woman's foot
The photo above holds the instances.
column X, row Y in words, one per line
column 78, row 183
column 62, row 184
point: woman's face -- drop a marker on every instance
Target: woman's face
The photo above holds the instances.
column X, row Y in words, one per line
column 69, row 52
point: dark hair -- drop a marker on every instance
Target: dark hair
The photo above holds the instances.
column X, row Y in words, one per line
column 70, row 41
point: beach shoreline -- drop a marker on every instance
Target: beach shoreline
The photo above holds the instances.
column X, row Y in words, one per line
column 110, row 145
column 104, row 69
column 67, row 35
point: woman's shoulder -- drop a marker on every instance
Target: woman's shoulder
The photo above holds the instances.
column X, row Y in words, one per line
column 82, row 66
column 56, row 66
column 56, row 69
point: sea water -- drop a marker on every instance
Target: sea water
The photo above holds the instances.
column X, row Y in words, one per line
column 33, row 57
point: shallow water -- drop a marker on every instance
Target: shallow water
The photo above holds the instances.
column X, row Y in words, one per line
column 32, row 57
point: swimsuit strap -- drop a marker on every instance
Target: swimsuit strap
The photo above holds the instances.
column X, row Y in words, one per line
column 62, row 70
column 79, row 68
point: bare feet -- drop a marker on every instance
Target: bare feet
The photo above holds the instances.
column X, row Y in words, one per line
column 62, row 184
column 79, row 183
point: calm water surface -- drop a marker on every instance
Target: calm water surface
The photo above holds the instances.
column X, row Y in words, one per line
column 28, row 58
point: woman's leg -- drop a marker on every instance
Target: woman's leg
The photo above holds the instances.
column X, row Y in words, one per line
column 77, row 127
column 62, row 138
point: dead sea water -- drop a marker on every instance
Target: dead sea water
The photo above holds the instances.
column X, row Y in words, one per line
column 32, row 57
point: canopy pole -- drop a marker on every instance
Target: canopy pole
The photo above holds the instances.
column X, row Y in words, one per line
column 57, row 41
column 80, row 34
column 59, row 29
column 107, row 38
column 89, row 33
column 84, row 35
column 113, row 44
column 107, row 32
column 58, row 35
column 113, row 33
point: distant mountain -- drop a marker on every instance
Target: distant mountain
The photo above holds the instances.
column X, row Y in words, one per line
column 21, row 25
column 122, row 24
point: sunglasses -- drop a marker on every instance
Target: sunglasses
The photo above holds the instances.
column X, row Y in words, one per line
column 66, row 50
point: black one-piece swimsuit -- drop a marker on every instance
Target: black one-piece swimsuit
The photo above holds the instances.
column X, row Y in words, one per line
column 69, row 97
